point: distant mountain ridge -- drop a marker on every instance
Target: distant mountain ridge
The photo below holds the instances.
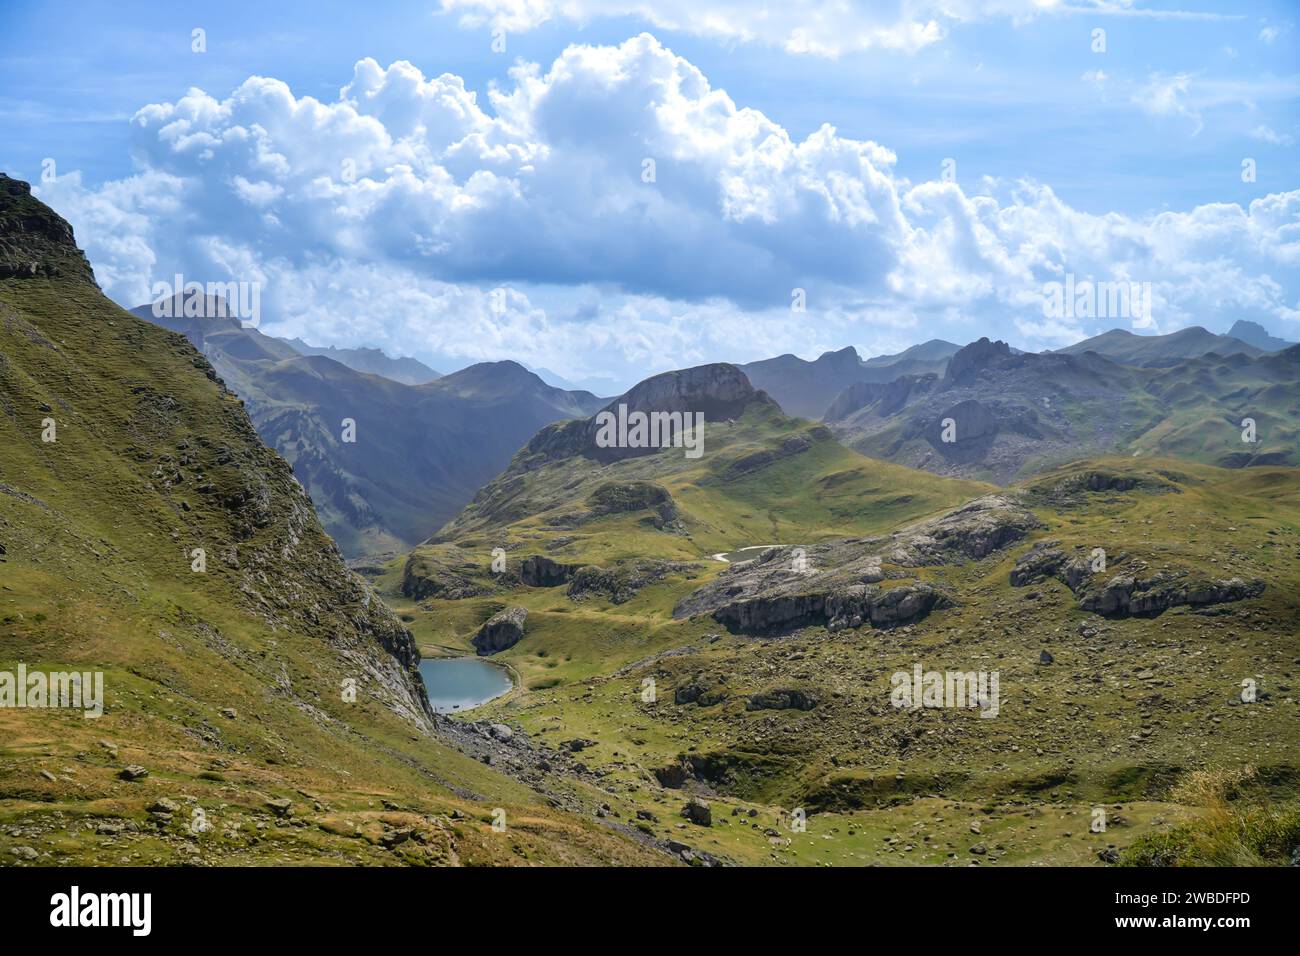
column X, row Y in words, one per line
column 1159, row 351
column 419, row 452
column 403, row 369
column 998, row 416
column 1252, row 333
column 807, row 389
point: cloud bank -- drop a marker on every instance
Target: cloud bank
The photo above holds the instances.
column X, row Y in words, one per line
column 633, row 217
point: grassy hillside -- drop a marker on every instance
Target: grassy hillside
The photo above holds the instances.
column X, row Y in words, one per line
column 226, row 686
column 1112, row 719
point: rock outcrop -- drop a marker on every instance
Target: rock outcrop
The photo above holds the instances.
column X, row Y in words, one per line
column 501, row 631
column 782, row 699
column 539, row 571
column 845, row 584
column 622, row 583
column 1126, row 594
column 978, row 355
column 35, row 242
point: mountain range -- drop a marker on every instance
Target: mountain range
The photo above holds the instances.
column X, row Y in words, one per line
column 705, row 650
column 719, row 636
column 420, row 451
column 407, row 371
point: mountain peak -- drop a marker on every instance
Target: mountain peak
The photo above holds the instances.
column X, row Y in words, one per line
column 717, row 392
column 35, row 241
column 977, row 355
column 720, row 391
column 1252, row 333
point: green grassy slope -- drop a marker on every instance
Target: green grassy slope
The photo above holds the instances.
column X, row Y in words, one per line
column 1126, row 709
column 227, row 685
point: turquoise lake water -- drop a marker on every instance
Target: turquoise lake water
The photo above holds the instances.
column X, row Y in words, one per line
column 459, row 683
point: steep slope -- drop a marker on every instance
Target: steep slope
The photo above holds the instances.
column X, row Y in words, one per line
column 260, row 704
column 806, row 389
column 1159, row 351
column 420, row 451
column 406, row 370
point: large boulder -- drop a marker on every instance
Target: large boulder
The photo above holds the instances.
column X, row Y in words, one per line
column 501, row 631
column 698, row 812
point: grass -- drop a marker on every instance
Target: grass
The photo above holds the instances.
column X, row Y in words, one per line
column 153, row 459
column 1128, row 709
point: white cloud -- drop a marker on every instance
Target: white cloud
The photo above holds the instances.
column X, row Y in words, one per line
column 388, row 216
column 1269, row 34
column 1168, row 96
column 1269, row 135
column 829, row 28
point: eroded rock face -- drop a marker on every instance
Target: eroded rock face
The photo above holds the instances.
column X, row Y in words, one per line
column 622, row 583
column 972, row 427
column 851, row 606
column 423, row 579
column 1046, row 560
column 501, row 631
column 973, row 357
column 1126, row 596
column 975, row 530
column 539, row 571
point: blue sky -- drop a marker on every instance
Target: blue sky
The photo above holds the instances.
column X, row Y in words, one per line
column 528, row 235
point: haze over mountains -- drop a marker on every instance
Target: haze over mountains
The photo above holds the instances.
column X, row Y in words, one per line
column 420, row 450
column 406, row 370
column 432, row 444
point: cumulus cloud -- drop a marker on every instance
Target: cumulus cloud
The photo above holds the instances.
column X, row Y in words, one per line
column 635, row 217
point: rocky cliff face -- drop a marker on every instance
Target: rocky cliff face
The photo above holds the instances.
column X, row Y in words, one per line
column 34, row 240
column 970, row 359
column 1131, row 593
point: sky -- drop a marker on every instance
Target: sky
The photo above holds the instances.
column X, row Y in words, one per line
column 606, row 189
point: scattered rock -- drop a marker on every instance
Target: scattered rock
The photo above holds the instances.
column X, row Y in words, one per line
column 501, row 631
column 698, row 812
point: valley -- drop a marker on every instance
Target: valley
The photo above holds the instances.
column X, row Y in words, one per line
column 1111, row 554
